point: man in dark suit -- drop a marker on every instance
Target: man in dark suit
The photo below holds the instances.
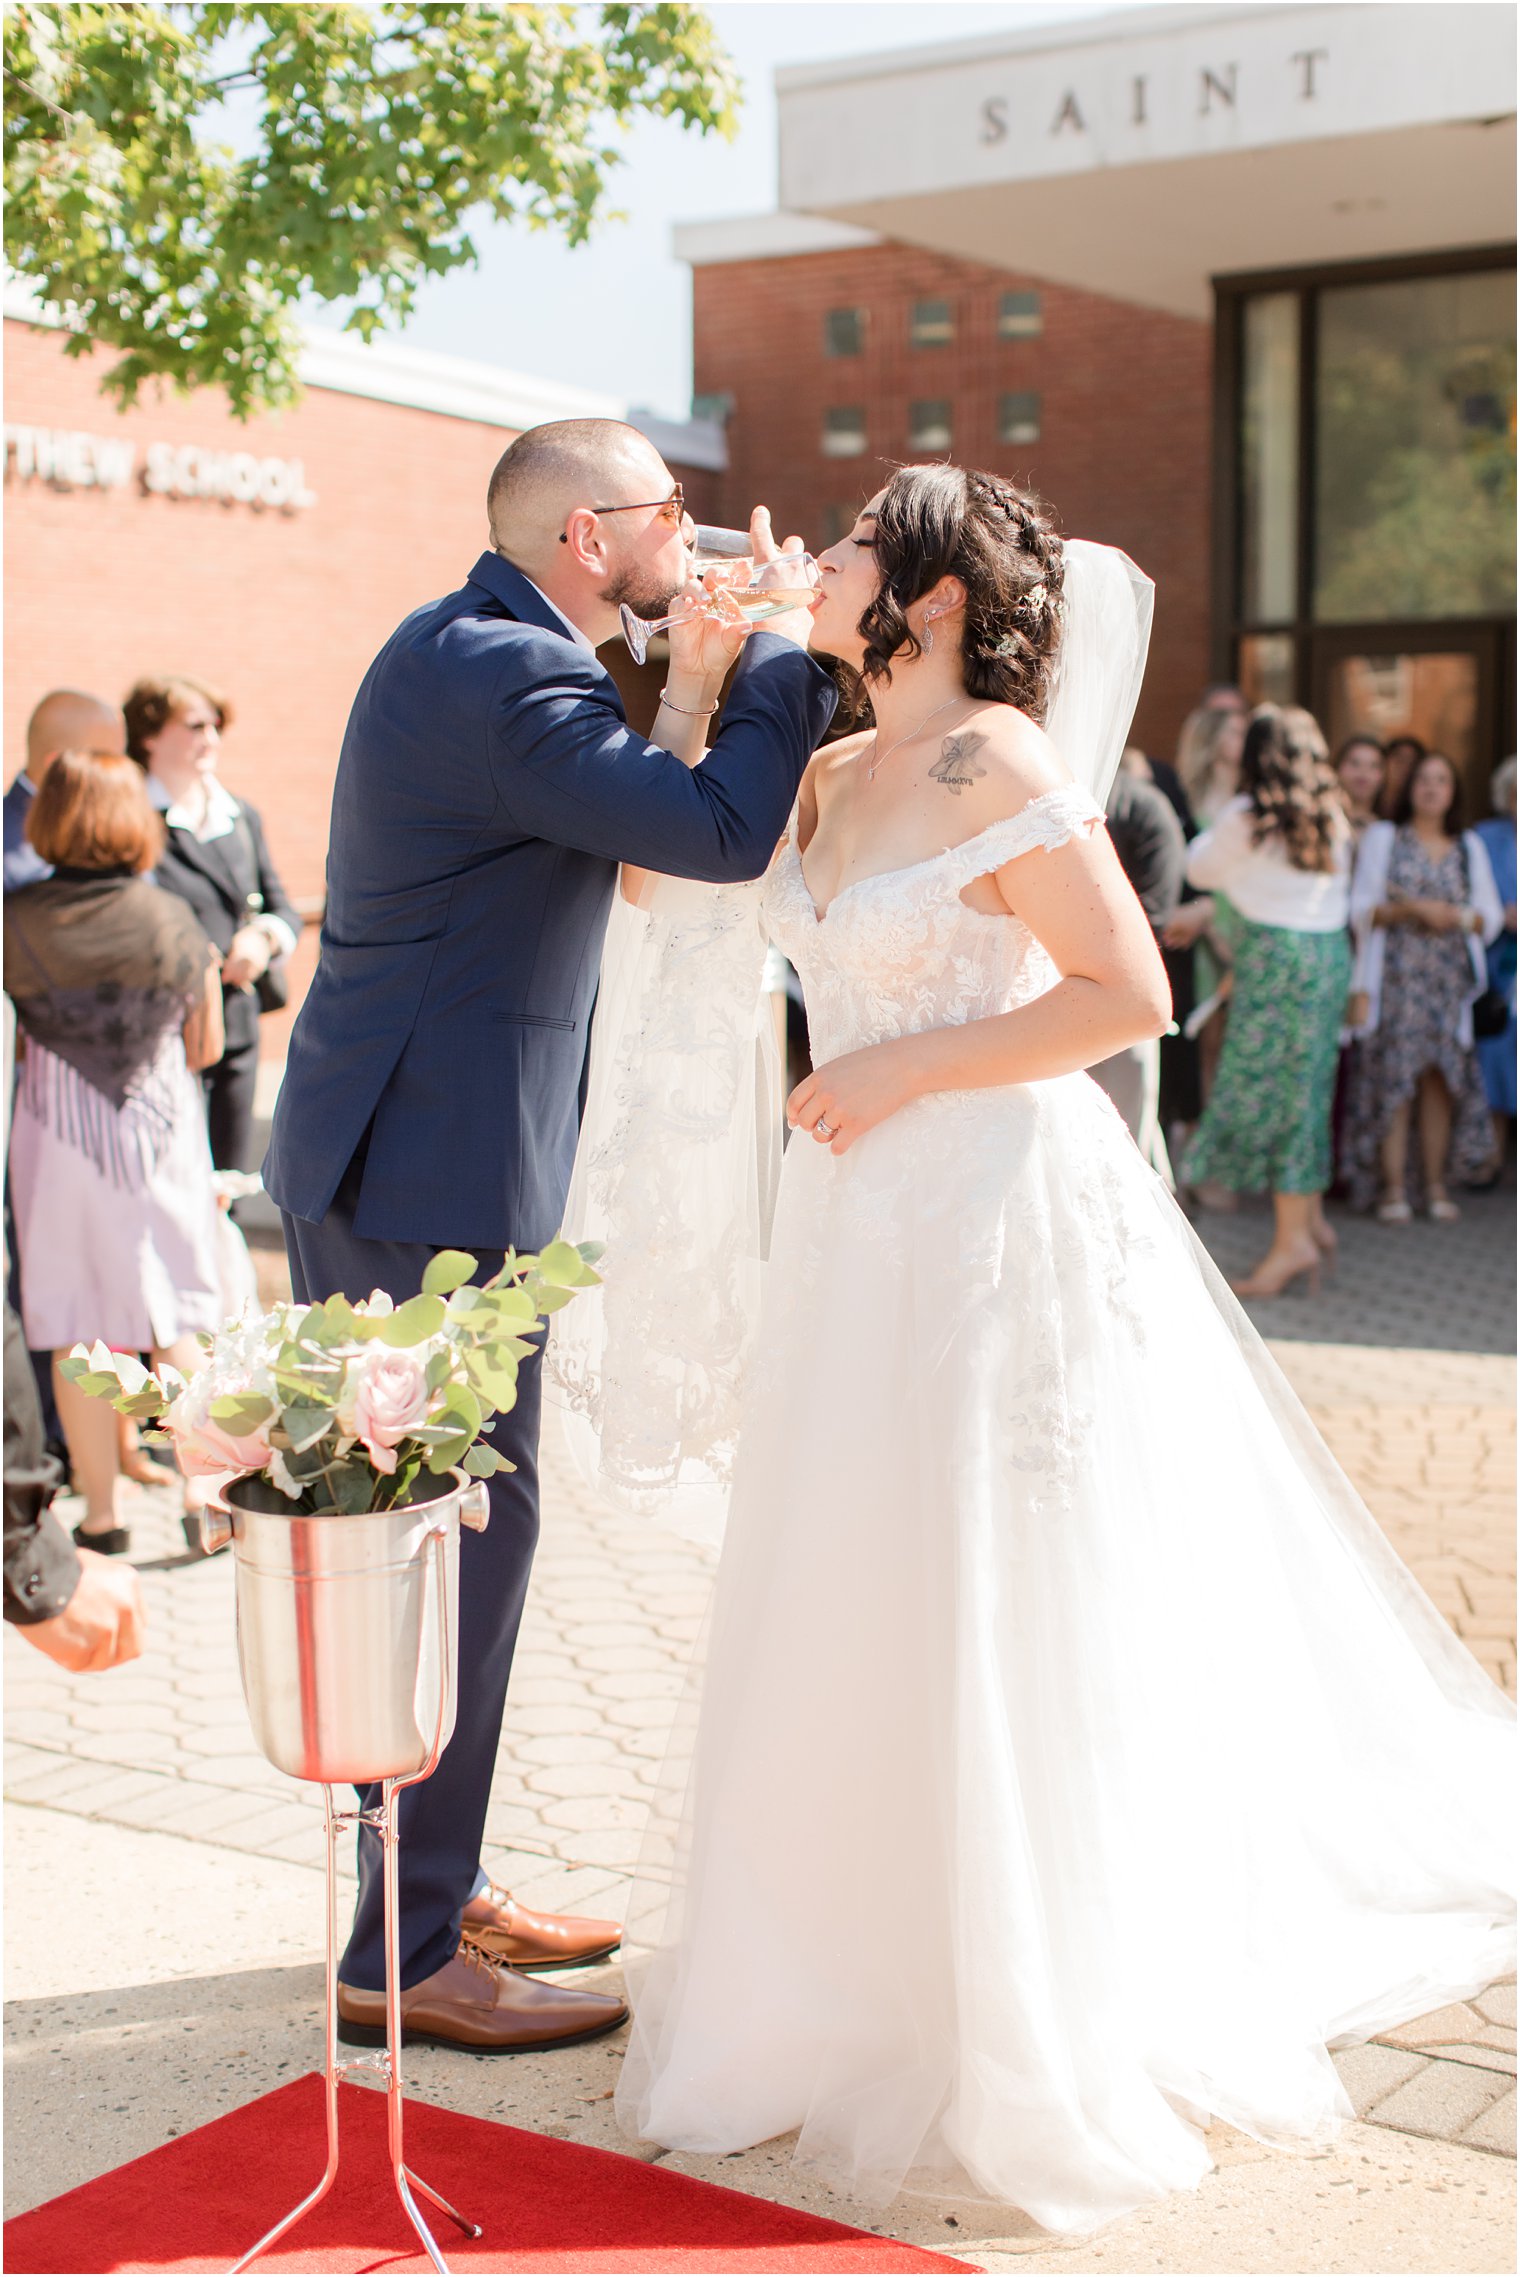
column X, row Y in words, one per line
column 1152, row 849
column 488, row 788
column 65, row 720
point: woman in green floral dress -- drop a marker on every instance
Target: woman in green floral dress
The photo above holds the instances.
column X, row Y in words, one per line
column 1281, row 852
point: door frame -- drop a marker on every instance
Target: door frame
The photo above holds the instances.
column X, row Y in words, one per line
column 1477, row 637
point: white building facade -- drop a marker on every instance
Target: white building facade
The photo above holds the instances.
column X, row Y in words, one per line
column 1336, row 184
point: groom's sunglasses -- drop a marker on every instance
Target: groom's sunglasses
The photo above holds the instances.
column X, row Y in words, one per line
column 672, row 510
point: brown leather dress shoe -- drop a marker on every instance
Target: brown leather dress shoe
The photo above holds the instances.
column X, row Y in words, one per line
column 472, row 2003
column 502, row 1929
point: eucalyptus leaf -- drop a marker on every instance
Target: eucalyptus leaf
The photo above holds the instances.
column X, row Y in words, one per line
column 464, row 1413
column 413, row 1323
column 352, row 1486
column 484, row 1462
column 561, row 1265
column 306, row 1424
column 450, row 1455
column 241, row 1412
column 447, row 1271
column 141, row 1406
column 95, row 1385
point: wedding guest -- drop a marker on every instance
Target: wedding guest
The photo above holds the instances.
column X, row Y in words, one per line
column 1423, row 903
column 1496, row 1050
column 1281, row 851
column 1359, row 769
column 216, row 859
column 65, row 720
column 117, row 999
column 1401, row 755
column 1208, row 758
column 1152, row 851
column 68, row 1603
column 1180, row 1096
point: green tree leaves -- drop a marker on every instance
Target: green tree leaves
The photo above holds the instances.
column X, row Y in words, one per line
column 381, row 135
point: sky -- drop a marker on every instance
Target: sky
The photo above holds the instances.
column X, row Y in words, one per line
column 616, row 314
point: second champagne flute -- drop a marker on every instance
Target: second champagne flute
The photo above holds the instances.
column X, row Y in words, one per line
column 741, row 589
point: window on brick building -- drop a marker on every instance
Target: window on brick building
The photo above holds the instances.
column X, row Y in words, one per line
column 1019, row 418
column 1020, row 316
column 929, row 423
column 933, row 324
column 844, row 431
column 844, row 331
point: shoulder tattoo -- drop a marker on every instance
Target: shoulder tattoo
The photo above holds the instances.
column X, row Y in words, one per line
column 958, row 766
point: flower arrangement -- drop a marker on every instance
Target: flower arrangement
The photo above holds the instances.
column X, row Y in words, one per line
column 343, row 1406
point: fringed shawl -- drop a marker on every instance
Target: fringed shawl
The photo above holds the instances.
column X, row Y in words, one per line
column 101, row 966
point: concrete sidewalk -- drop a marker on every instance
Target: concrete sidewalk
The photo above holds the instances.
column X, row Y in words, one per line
column 163, row 1882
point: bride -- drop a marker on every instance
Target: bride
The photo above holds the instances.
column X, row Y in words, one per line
column 1072, row 1761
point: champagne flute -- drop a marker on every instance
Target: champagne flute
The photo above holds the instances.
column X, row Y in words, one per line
column 736, row 586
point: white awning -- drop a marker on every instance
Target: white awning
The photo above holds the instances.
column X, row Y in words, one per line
column 1140, row 154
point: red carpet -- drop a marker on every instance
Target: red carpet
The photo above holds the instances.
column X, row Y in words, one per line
column 201, row 2201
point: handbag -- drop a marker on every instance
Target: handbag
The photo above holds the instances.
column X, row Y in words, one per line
column 272, row 988
column 1490, row 1014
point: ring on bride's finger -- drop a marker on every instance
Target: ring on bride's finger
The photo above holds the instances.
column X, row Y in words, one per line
column 824, row 1129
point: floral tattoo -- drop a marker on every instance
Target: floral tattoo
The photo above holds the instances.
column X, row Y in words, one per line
column 957, row 766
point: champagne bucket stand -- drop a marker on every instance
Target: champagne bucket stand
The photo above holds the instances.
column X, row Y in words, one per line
column 349, row 1654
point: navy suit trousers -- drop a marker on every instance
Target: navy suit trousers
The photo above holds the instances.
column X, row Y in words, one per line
column 443, row 1819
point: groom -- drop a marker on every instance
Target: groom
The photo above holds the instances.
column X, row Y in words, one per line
column 488, row 787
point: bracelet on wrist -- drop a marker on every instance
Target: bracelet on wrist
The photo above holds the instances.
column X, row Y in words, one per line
column 692, row 711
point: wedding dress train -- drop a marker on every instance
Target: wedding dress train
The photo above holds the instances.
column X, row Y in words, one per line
column 1070, row 1758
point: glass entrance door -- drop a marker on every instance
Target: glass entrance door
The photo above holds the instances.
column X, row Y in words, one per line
column 1436, row 682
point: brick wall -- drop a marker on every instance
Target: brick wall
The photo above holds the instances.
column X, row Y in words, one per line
column 1124, row 450
column 281, row 611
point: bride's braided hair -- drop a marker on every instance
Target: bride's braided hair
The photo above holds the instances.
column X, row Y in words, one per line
column 937, row 521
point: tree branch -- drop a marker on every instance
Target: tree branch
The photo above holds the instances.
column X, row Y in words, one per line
column 75, row 118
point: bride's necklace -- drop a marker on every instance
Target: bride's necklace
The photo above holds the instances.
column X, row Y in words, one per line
column 877, row 757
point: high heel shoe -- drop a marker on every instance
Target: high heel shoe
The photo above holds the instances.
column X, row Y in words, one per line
column 1328, row 1242
column 1271, row 1280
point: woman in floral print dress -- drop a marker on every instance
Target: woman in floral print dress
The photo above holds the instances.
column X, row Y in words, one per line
column 1423, row 903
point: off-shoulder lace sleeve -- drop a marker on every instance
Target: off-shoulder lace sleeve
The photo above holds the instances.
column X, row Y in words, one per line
column 1047, row 821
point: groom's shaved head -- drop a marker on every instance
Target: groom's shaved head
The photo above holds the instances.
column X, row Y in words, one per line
column 541, row 478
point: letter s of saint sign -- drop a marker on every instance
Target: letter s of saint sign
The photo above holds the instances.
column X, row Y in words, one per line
column 994, row 119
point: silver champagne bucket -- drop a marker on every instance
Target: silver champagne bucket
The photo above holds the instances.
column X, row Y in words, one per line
column 348, row 1627
column 348, row 1643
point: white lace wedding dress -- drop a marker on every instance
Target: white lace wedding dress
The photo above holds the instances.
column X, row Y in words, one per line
column 1071, row 1759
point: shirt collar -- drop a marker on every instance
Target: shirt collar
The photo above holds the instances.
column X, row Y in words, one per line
column 222, row 811
column 573, row 630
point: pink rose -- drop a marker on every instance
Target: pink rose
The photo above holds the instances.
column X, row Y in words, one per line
column 203, row 1445
column 385, row 1399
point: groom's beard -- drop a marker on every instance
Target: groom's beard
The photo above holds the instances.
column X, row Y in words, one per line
column 647, row 596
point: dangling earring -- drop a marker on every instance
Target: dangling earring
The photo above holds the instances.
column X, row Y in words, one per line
column 926, row 640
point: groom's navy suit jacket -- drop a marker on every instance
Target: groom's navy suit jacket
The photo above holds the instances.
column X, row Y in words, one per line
column 488, row 787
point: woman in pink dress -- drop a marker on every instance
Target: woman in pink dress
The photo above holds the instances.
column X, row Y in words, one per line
column 118, row 1002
